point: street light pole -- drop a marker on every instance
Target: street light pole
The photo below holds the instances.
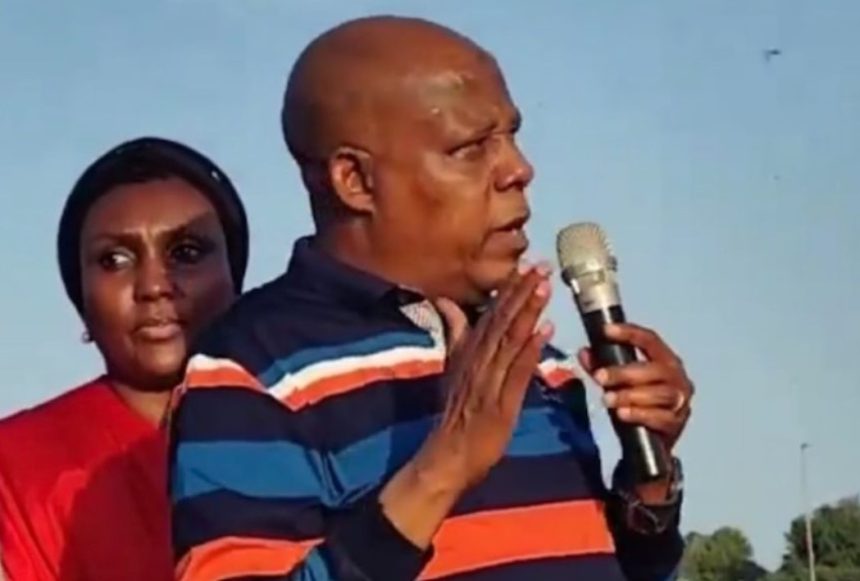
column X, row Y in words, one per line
column 807, row 511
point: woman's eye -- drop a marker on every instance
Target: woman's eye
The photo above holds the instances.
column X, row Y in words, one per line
column 114, row 260
column 187, row 253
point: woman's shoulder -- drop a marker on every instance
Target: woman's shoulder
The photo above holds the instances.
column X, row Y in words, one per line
column 42, row 435
column 50, row 414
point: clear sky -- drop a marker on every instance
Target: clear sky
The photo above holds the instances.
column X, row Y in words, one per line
column 728, row 183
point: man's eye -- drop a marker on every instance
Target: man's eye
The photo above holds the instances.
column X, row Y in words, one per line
column 471, row 150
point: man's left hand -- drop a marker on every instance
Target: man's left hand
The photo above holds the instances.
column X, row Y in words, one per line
column 654, row 393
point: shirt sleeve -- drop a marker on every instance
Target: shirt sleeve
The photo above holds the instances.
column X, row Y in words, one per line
column 647, row 557
column 250, row 499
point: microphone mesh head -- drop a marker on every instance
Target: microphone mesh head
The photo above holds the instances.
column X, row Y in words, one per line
column 582, row 248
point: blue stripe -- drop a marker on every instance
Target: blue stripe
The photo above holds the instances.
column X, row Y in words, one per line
column 305, row 357
column 282, row 469
column 314, row 568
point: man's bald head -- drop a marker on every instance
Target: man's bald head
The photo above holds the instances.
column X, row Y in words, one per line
column 405, row 135
column 348, row 80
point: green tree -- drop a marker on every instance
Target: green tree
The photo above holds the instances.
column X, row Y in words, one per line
column 724, row 555
column 836, row 540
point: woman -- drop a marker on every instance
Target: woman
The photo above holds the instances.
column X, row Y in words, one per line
column 152, row 245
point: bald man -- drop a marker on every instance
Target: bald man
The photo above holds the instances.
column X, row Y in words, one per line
column 390, row 408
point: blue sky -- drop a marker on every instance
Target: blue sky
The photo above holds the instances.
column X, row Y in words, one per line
column 728, row 184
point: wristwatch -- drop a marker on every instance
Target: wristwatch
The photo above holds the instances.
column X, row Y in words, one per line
column 646, row 519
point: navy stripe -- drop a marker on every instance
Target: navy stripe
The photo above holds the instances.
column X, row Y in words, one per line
column 602, row 567
column 529, row 481
column 283, row 469
column 294, row 520
column 236, row 413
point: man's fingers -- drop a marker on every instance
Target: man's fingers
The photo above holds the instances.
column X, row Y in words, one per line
column 456, row 323
column 658, row 395
column 637, row 373
column 660, row 420
column 479, row 332
column 644, row 339
column 531, row 292
column 522, row 368
column 520, row 330
column 586, row 360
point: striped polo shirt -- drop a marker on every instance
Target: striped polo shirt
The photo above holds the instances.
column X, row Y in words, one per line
column 314, row 390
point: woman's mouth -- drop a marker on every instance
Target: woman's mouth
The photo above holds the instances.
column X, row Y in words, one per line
column 158, row 330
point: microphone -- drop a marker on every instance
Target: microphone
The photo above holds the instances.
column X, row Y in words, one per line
column 589, row 268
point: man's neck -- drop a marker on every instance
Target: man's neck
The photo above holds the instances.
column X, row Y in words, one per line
column 356, row 251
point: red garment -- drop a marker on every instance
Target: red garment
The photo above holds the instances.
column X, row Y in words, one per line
column 83, row 491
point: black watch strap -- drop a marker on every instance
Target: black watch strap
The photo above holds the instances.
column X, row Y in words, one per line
column 647, row 519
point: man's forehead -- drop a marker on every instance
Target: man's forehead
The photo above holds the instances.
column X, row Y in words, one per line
column 461, row 92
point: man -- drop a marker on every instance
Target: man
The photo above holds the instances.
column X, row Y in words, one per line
column 389, row 408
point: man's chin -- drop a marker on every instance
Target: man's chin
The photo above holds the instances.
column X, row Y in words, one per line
column 491, row 278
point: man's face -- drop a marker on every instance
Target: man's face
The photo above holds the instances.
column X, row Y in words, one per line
column 451, row 182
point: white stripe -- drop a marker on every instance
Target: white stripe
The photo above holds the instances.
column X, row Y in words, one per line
column 206, row 363
column 299, row 380
column 547, row 366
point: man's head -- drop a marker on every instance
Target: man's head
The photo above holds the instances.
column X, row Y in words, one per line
column 404, row 132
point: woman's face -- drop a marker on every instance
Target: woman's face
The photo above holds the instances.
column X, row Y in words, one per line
column 154, row 272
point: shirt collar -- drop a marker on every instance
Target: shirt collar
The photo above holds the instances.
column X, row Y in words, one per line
column 315, row 271
column 320, row 274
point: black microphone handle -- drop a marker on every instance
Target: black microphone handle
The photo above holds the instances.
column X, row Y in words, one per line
column 643, row 451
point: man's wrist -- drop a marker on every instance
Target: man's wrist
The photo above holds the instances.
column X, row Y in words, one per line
column 647, row 509
column 367, row 545
column 416, row 501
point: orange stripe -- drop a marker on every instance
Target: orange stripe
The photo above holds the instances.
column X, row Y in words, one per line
column 237, row 556
column 558, row 377
column 484, row 539
column 221, row 377
column 351, row 380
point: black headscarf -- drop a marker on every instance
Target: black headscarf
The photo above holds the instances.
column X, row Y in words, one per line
column 138, row 161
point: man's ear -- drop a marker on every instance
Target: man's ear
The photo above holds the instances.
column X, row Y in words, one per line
column 351, row 173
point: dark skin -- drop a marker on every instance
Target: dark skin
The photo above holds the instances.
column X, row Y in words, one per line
column 154, row 272
column 406, row 136
column 433, row 169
